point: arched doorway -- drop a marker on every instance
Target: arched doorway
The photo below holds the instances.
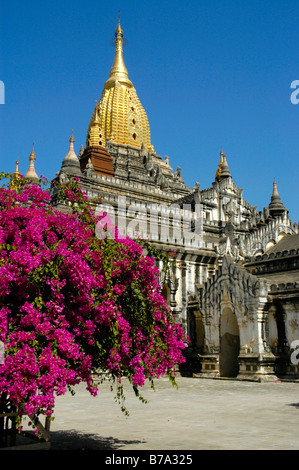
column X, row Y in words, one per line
column 199, row 328
column 229, row 344
column 196, row 329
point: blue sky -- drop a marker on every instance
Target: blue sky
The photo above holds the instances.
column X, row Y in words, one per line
column 210, row 75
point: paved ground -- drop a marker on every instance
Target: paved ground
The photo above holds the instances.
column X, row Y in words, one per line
column 202, row 414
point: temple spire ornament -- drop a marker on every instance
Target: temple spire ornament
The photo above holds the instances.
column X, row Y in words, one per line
column 16, row 173
column 219, row 166
column 14, row 182
column 225, row 173
column 122, row 118
column 223, row 170
column 95, row 154
column 276, row 207
column 95, row 137
column 71, row 165
column 31, row 173
column 118, row 70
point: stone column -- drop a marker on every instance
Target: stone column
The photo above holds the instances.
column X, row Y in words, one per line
column 256, row 361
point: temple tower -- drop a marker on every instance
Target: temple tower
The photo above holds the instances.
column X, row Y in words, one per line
column 122, row 118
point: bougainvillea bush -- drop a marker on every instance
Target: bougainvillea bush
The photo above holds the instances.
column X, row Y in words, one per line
column 75, row 306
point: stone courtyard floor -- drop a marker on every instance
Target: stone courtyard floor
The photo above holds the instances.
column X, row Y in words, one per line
column 202, row 414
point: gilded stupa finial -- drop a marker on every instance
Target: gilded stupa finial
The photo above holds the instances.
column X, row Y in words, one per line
column 119, row 29
column 31, row 173
column 95, row 136
column 218, row 172
column 32, row 155
column 96, row 114
column 118, row 71
column 15, row 177
column 71, row 155
column 71, row 152
column 16, row 172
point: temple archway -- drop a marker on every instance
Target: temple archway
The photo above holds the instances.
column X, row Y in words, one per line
column 229, row 343
column 196, row 329
column 200, row 331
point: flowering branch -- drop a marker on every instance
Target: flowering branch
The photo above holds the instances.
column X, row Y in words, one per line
column 73, row 306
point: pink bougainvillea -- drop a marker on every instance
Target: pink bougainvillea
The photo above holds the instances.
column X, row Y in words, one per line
column 73, row 305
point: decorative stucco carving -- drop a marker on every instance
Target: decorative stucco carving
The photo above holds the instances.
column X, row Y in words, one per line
column 245, row 292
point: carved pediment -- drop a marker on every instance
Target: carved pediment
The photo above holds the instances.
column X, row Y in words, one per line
column 232, row 283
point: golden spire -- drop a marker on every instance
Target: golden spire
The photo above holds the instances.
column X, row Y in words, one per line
column 121, row 116
column 31, row 173
column 15, row 177
column 16, row 172
column 118, row 71
column 96, row 116
column 218, row 172
column 95, row 137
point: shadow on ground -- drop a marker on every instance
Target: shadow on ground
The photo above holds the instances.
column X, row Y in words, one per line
column 295, row 405
column 74, row 440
